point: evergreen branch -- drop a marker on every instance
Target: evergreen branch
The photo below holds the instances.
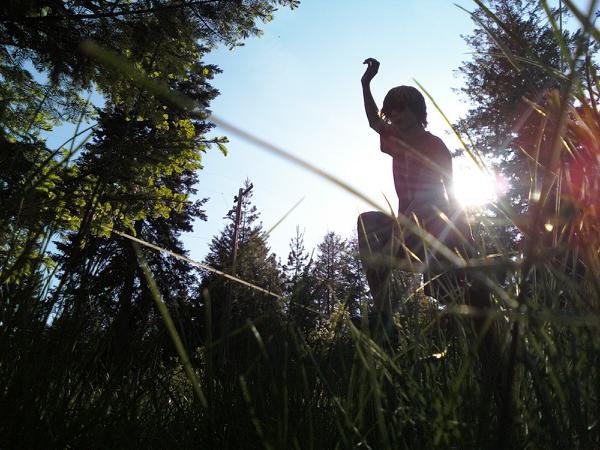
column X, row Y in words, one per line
column 114, row 14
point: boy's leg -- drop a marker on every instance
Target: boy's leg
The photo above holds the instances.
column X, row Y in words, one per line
column 443, row 282
column 449, row 286
column 378, row 248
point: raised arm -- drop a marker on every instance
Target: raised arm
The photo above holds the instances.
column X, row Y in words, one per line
column 371, row 109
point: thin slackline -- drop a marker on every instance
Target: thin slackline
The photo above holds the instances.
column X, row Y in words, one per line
column 195, row 263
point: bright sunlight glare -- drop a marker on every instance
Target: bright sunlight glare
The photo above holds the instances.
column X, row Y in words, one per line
column 474, row 187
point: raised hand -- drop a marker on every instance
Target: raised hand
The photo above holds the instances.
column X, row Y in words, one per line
column 372, row 69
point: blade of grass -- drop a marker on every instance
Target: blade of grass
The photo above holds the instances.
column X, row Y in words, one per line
column 284, row 217
column 170, row 325
column 194, row 263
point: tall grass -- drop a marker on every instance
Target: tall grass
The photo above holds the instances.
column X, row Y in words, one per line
column 432, row 382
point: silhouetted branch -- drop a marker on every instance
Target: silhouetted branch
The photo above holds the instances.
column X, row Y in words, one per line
column 189, row 4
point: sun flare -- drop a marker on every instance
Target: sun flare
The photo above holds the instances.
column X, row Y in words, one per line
column 474, row 187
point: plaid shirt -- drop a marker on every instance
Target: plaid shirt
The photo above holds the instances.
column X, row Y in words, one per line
column 422, row 168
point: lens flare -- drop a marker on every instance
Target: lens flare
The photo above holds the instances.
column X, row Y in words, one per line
column 474, row 187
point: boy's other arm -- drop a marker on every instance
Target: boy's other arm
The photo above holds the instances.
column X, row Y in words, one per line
column 371, row 109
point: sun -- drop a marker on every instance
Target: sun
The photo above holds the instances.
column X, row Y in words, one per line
column 474, row 187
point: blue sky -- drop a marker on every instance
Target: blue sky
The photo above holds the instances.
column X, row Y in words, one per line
column 298, row 86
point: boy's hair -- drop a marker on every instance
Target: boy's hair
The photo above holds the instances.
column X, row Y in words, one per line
column 405, row 96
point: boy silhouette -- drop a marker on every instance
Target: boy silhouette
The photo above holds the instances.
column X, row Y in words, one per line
column 422, row 171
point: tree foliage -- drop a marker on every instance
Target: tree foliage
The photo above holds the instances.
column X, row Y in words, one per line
column 254, row 263
column 516, row 60
column 68, row 282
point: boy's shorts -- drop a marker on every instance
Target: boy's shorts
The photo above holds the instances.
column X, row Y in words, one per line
column 441, row 281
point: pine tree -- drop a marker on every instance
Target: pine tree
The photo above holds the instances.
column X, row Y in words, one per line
column 163, row 41
column 328, row 270
column 233, row 304
column 299, row 285
column 296, row 263
column 140, row 167
column 355, row 284
column 136, row 175
column 513, row 82
column 512, row 63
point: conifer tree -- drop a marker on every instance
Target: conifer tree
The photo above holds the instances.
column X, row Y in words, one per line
column 328, row 270
column 136, row 175
column 297, row 261
column 513, row 64
column 42, row 79
column 232, row 303
column 354, row 280
column 299, row 284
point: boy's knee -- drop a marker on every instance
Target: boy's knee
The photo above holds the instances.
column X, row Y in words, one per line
column 371, row 220
column 362, row 219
